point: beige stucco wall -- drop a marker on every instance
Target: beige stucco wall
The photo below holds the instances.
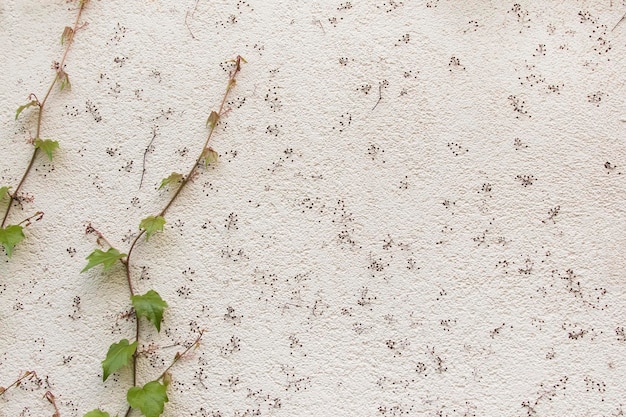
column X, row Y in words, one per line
column 419, row 208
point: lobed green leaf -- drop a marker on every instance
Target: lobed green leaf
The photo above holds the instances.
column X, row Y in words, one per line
column 174, row 177
column 11, row 236
column 151, row 306
column 152, row 224
column 150, row 398
column 97, row 413
column 209, row 156
column 118, row 356
column 107, row 259
column 47, row 145
column 25, row 106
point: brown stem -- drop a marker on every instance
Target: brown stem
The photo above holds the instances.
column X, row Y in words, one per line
column 52, row 399
column 126, row 261
column 231, row 83
column 29, row 220
column 132, row 293
column 41, row 105
column 18, row 381
column 180, row 355
column 13, row 196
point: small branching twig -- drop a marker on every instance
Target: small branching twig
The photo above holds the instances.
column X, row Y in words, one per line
column 180, row 355
column 46, row 145
column 145, row 155
column 26, row 375
column 381, row 85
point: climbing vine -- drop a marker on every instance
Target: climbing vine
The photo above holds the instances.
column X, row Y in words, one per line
column 12, row 234
column 150, row 398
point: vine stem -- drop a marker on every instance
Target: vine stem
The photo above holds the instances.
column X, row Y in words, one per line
column 179, row 355
column 185, row 180
column 41, row 105
column 52, row 399
column 18, row 381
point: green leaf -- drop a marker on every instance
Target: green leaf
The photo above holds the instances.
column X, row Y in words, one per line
column 150, row 398
column 173, row 178
column 97, row 413
column 47, row 146
column 11, row 236
column 151, row 306
column 213, row 119
column 23, row 107
column 107, row 259
column 210, row 156
column 4, row 191
column 152, row 224
column 118, row 356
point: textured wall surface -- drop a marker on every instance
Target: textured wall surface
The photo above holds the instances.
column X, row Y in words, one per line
column 419, row 208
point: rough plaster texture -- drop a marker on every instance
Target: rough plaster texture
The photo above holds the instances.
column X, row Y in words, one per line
column 419, row 208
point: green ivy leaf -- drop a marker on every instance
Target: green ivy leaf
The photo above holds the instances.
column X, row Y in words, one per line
column 47, row 146
column 4, row 191
column 150, row 398
column 152, row 224
column 107, row 259
column 11, row 236
column 151, row 306
column 118, row 356
column 209, row 156
column 213, row 119
column 173, row 178
column 25, row 106
column 97, row 413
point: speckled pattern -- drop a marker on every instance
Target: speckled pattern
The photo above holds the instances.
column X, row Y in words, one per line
column 419, row 208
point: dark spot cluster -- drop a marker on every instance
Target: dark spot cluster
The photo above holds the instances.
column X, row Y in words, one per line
column 519, row 106
column 271, row 97
column 390, row 6
column 273, row 130
column 365, row 88
column 345, row 120
column 521, row 15
column 71, row 111
column 118, row 34
column 93, row 110
column 546, row 393
column 334, row 21
column 596, row 97
column 526, row 180
column 457, row 149
column 406, row 38
column 375, row 152
column 120, row 60
column 345, row 6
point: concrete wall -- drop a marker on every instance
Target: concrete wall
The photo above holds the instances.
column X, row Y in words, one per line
column 419, row 208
